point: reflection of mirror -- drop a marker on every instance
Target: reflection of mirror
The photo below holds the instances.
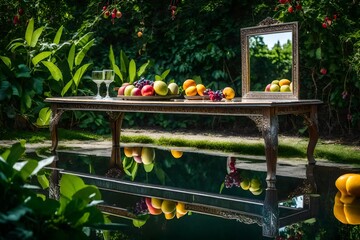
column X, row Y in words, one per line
column 270, row 52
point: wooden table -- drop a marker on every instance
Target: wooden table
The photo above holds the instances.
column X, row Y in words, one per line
column 264, row 114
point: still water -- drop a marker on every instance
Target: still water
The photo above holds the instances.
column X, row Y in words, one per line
column 222, row 196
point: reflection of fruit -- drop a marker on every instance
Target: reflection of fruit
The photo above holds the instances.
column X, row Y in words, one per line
column 228, row 93
column 179, row 215
column 128, row 151
column 285, row 88
column 152, row 210
column 170, row 215
column 147, row 155
column 348, row 213
column 188, row 82
column 274, row 88
column 284, row 82
column 156, row 202
column 168, row 206
column 257, row 192
column 245, row 184
column 342, row 186
column 255, row 184
column 161, row 88
column 176, row 154
column 353, row 185
column 180, row 208
column 200, row 88
column 173, row 88
column 191, row 91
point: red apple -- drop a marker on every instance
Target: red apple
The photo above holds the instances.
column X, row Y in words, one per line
column 122, row 88
column 267, row 89
column 147, row 90
column 135, row 92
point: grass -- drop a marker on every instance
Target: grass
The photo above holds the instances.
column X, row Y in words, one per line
column 296, row 148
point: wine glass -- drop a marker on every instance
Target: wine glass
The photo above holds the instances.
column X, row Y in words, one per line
column 108, row 78
column 98, row 78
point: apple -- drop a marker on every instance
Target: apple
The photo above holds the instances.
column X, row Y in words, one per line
column 147, row 155
column 135, row 92
column 147, row 90
column 128, row 88
column 267, row 88
column 173, row 88
column 274, row 88
column 285, row 88
column 161, row 88
column 275, row 82
column 122, row 88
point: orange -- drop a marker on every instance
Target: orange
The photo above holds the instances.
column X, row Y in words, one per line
column 176, row 153
column 284, row 82
column 229, row 93
column 170, row 215
column 200, row 89
column 180, row 208
column 128, row 151
column 188, row 82
column 353, row 185
column 191, row 91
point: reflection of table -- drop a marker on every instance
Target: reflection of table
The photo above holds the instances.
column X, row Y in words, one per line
column 264, row 114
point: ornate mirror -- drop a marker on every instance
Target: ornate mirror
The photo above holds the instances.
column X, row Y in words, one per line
column 270, row 61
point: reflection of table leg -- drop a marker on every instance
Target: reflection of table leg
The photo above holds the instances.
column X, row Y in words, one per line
column 116, row 119
column 270, row 226
column 312, row 123
column 55, row 117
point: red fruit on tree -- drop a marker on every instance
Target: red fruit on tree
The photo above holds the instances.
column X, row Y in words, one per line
column 283, row 1
column 290, row 9
column 298, row 7
column 323, row 71
column 113, row 15
column 104, row 8
column 21, row 11
column 324, row 25
column 118, row 14
column 106, row 14
column 16, row 20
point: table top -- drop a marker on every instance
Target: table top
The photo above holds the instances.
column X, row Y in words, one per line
column 234, row 107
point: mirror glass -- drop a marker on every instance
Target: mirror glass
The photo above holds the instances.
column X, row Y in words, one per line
column 269, row 62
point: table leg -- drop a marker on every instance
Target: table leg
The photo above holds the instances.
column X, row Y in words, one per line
column 115, row 124
column 55, row 117
column 312, row 123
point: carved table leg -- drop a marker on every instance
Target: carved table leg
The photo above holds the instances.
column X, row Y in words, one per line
column 116, row 119
column 55, row 117
column 312, row 123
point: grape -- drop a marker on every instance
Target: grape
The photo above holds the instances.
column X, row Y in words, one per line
column 142, row 82
column 141, row 208
column 215, row 96
column 232, row 179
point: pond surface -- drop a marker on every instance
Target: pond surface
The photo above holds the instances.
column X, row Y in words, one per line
column 207, row 186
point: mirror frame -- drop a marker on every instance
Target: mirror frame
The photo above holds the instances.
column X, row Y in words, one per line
column 268, row 26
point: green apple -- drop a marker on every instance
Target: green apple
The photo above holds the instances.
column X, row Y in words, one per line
column 128, row 89
column 285, row 88
column 275, row 82
column 273, row 88
column 160, row 88
column 173, row 88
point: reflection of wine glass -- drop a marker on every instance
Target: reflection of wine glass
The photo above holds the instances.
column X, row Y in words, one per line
column 108, row 78
column 98, row 78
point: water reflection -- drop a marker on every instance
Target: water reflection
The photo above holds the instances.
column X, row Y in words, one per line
column 211, row 204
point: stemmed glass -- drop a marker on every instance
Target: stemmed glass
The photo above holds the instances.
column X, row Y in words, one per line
column 108, row 78
column 98, row 78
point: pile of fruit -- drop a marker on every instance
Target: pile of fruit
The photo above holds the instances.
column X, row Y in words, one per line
column 191, row 88
column 157, row 206
column 347, row 199
column 283, row 85
column 145, row 155
column 145, row 87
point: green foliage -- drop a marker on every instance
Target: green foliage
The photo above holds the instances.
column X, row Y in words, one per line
column 24, row 214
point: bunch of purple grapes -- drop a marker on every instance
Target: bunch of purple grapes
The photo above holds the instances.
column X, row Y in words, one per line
column 232, row 179
column 215, row 96
column 141, row 208
column 142, row 82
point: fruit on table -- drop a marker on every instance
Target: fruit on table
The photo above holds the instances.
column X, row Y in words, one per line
column 283, row 82
column 147, row 155
column 285, row 88
column 274, row 88
column 267, row 88
column 191, row 91
column 128, row 89
column 275, row 82
column 147, row 90
column 188, row 82
column 176, row 153
column 135, row 92
column 161, row 88
column 200, row 88
column 122, row 88
column 229, row 93
column 173, row 88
